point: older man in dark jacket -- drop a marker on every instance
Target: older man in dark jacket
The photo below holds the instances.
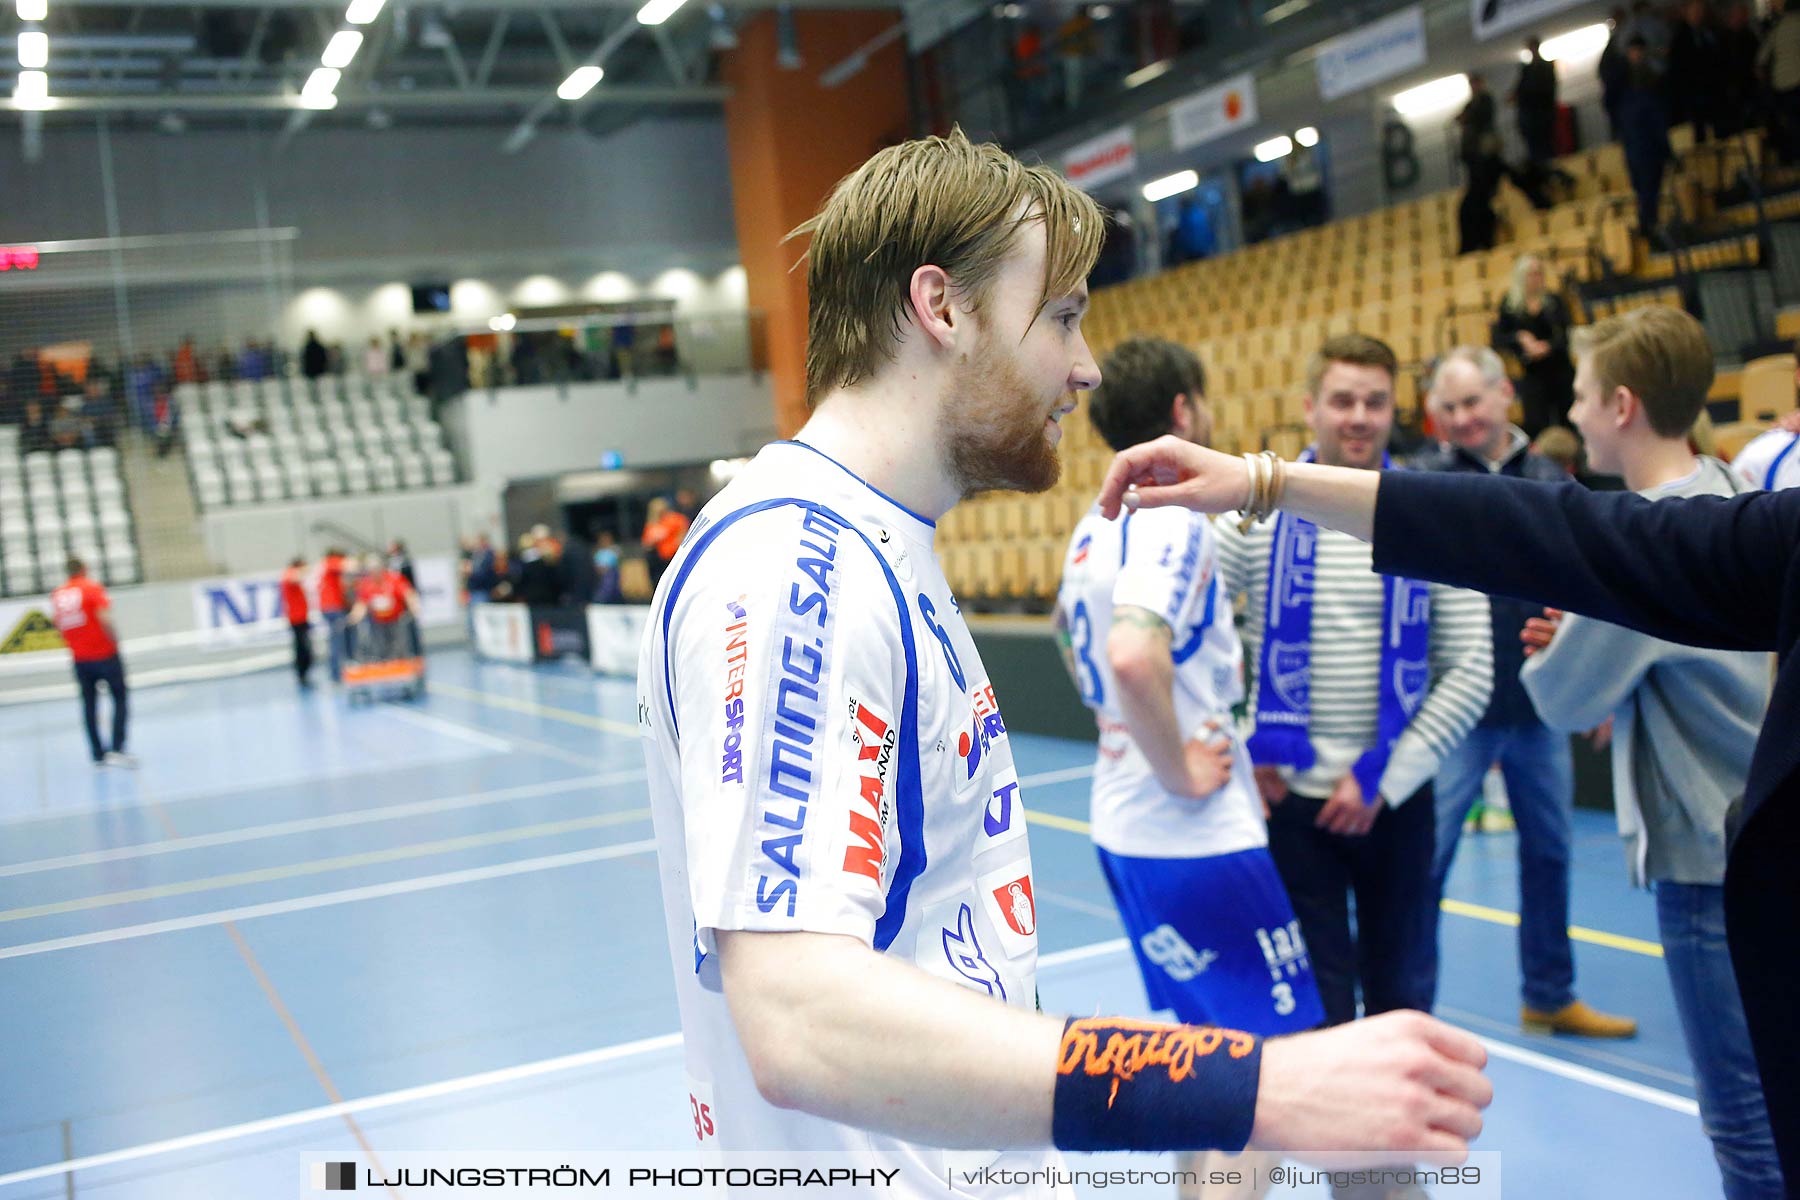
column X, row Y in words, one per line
column 1470, row 396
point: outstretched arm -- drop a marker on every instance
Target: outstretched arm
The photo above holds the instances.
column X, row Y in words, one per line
column 831, row 1027
column 1702, row 571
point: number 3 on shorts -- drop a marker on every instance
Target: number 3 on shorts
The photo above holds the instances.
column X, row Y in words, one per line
column 1284, row 998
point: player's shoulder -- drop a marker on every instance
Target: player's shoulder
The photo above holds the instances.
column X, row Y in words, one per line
column 801, row 555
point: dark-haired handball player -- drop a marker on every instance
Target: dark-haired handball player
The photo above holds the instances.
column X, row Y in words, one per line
column 847, row 879
column 1144, row 622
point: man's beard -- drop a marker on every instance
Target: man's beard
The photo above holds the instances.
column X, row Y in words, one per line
column 992, row 427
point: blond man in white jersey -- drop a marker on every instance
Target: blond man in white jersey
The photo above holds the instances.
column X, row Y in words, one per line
column 846, row 879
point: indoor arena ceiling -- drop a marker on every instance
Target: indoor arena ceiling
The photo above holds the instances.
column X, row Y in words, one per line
column 176, row 65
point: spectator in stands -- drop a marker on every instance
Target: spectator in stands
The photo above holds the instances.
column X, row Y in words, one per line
column 315, row 359
column 187, row 361
column 483, row 570
column 1561, row 446
column 1535, row 96
column 575, row 569
column 664, row 527
column 1534, row 324
column 1779, row 63
column 70, row 427
column 396, row 353
column 535, row 580
column 34, row 433
column 399, row 560
column 1470, row 395
column 1612, row 70
column 82, row 612
column 293, row 604
column 1687, row 720
column 1695, row 61
column 606, row 569
column 624, row 344
column 1739, row 104
column 332, row 603
column 1644, row 130
column 224, row 364
column 418, row 363
column 375, row 359
column 24, row 383
column 1479, row 150
column 401, row 564
column 1650, row 25
column 140, row 387
column 1346, row 766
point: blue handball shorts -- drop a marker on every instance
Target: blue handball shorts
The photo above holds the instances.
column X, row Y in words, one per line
column 1217, row 940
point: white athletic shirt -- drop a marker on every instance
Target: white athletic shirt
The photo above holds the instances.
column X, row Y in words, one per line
column 1165, row 560
column 1770, row 462
column 819, row 762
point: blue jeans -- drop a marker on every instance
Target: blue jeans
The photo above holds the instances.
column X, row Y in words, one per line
column 334, row 644
column 1691, row 920
column 1540, row 784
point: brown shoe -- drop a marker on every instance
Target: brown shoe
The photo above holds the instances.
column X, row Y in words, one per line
column 1577, row 1018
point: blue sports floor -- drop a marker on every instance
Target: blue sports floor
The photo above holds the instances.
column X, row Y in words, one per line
column 303, row 926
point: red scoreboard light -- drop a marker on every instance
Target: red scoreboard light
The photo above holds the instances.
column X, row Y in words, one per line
column 18, row 258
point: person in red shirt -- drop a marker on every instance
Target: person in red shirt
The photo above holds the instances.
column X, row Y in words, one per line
column 82, row 612
column 293, row 602
column 664, row 527
column 382, row 596
column 331, row 607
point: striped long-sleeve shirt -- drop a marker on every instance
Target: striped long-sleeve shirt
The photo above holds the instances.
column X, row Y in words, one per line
column 1346, row 660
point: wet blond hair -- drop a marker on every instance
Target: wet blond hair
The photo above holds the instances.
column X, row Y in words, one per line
column 939, row 201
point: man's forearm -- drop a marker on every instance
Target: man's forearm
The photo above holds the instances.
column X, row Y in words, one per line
column 1146, row 678
column 946, row 1067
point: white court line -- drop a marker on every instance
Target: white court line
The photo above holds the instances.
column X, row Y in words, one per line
column 1063, row 958
column 470, row 733
column 399, row 887
column 1062, row 776
column 361, row 816
column 1589, row 1076
column 353, row 895
column 311, row 1116
column 669, row 1041
column 451, row 729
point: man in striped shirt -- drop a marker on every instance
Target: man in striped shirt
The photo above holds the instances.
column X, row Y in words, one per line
column 1349, row 794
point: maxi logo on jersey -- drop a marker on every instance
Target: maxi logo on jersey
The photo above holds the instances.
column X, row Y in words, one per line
column 875, row 737
column 792, row 724
column 737, row 652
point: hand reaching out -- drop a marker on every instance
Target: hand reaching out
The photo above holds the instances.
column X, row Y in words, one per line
column 1539, row 631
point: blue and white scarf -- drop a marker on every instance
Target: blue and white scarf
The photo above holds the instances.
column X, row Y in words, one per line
column 1284, row 668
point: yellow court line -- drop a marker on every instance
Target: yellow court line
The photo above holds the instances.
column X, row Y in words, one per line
column 567, row 715
column 1459, row 908
column 322, row 865
column 1595, row 937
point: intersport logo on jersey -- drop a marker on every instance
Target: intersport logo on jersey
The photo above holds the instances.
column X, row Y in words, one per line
column 737, row 653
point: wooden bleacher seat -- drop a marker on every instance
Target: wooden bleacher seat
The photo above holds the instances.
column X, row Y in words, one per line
column 1767, row 388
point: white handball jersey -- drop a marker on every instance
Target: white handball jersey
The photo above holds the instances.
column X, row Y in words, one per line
column 1165, row 560
column 1770, row 462
column 825, row 754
